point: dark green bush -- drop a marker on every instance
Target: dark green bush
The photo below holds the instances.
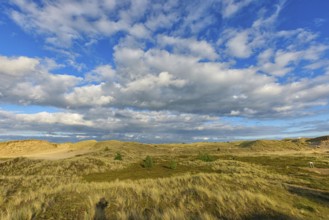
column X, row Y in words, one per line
column 148, row 162
column 205, row 157
column 172, row 164
column 118, row 156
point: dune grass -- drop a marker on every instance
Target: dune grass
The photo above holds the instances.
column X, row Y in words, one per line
column 232, row 186
column 294, row 166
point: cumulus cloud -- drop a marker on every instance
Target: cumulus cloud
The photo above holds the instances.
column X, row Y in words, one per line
column 238, row 45
column 174, row 78
column 100, row 74
column 127, row 124
column 54, row 118
column 189, row 47
column 30, row 81
column 159, row 80
column 151, row 82
column 17, row 66
column 27, row 80
column 179, row 83
column 173, row 69
column 90, row 95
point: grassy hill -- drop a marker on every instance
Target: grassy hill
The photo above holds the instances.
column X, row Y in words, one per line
column 318, row 141
column 35, row 147
column 262, row 179
column 275, row 145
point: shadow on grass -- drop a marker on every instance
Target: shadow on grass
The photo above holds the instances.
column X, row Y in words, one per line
column 312, row 194
column 271, row 215
column 100, row 209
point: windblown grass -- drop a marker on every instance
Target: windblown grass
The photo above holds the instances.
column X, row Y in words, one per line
column 234, row 186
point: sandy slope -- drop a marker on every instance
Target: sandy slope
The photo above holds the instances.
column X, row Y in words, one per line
column 44, row 149
column 58, row 154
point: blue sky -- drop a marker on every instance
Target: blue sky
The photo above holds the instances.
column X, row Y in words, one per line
column 163, row 71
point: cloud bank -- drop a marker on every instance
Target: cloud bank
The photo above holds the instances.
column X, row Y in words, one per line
column 177, row 71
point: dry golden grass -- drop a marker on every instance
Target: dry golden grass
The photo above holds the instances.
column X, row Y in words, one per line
column 19, row 148
column 236, row 185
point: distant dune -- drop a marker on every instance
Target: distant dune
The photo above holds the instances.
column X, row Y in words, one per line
column 18, row 148
column 275, row 145
column 39, row 148
column 323, row 140
column 45, row 149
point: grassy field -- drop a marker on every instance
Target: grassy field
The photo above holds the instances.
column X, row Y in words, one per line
column 121, row 180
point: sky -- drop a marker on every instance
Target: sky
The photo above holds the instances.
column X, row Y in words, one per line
column 163, row 70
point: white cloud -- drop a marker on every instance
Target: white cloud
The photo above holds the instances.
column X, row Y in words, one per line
column 265, row 56
column 283, row 58
column 54, row 118
column 66, row 21
column 156, row 79
column 126, row 124
column 62, row 22
column 323, row 63
column 283, row 61
column 201, row 86
column 200, row 49
column 166, row 66
column 238, row 45
column 234, row 113
column 27, row 80
column 160, row 20
column 91, row 95
column 209, row 87
column 267, row 21
column 102, row 73
column 108, row 27
column 230, row 7
column 150, row 83
column 139, row 31
column 17, row 66
column 314, row 52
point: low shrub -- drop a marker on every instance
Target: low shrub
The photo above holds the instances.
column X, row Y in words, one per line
column 118, row 156
column 172, row 165
column 148, row 162
column 205, row 157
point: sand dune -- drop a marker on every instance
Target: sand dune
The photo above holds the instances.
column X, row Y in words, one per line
column 44, row 149
column 20, row 148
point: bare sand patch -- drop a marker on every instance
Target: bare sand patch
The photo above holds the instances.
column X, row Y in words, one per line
column 44, row 150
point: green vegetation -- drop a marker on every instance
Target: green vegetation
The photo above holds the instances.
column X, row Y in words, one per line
column 118, row 156
column 137, row 172
column 148, row 162
column 172, row 164
column 205, row 157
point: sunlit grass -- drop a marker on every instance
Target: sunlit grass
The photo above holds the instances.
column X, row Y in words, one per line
column 178, row 185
